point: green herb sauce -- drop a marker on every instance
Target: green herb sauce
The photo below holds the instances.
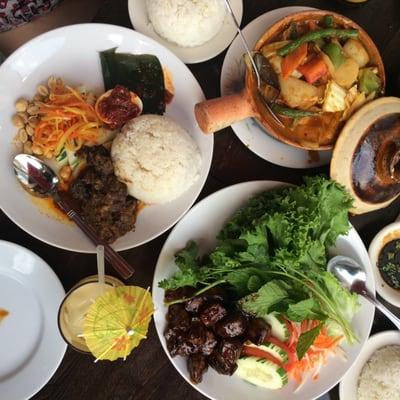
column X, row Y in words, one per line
column 389, row 263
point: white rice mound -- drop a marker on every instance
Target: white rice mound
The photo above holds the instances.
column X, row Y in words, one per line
column 380, row 376
column 187, row 23
column 156, row 158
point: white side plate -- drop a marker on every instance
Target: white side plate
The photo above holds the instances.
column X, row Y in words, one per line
column 31, row 346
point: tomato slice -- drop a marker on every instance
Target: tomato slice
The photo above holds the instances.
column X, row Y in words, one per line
column 291, row 351
column 256, row 352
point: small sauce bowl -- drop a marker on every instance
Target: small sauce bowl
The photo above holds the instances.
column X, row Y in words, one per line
column 386, row 235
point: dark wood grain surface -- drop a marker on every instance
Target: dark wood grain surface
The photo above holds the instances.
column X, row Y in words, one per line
column 147, row 373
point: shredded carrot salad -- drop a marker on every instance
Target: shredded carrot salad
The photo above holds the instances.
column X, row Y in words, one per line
column 316, row 356
column 66, row 120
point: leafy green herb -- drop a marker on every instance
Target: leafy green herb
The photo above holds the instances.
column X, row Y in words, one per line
column 189, row 273
column 392, row 270
column 260, row 303
column 140, row 73
column 306, row 340
column 273, row 253
column 305, row 309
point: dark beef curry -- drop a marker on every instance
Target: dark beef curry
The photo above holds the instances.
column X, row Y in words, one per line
column 103, row 201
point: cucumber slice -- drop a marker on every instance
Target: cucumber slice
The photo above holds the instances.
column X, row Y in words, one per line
column 62, row 158
column 274, row 350
column 278, row 326
column 73, row 160
column 261, row 372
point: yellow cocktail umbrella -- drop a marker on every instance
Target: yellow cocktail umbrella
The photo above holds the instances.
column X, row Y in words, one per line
column 117, row 321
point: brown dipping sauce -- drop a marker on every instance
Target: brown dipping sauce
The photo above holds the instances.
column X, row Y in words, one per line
column 389, row 263
column 118, row 107
column 3, row 314
column 376, row 161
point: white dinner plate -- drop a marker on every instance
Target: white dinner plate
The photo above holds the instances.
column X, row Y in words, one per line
column 249, row 131
column 189, row 55
column 201, row 224
column 72, row 53
column 349, row 385
column 31, row 347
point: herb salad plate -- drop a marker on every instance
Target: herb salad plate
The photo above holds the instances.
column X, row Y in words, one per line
column 202, row 224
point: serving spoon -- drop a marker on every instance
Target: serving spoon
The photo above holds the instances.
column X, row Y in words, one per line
column 40, row 180
column 353, row 277
column 252, row 61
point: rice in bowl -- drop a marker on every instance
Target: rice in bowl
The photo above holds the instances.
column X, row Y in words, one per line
column 156, row 158
column 187, row 23
column 380, row 376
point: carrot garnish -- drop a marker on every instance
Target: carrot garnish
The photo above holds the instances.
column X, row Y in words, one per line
column 66, row 120
column 293, row 60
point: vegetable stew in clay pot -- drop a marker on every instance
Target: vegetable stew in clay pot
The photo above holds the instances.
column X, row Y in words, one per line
column 317, row 68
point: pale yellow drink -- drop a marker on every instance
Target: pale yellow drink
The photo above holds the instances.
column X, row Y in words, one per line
column 75, row 306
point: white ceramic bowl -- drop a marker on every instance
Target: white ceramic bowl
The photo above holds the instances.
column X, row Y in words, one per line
column 349, row 385
column 388, row 233
column 72, row 53
column 202, row 223
column 189, row 55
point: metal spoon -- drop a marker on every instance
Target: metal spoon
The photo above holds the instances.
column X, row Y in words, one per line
column 251, row 58
column 353, row 277
column 40, row 180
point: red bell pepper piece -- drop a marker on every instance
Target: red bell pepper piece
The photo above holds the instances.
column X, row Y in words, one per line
column 293, row 60
column 314, row 69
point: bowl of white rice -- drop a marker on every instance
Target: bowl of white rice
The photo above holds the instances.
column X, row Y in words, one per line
column 195, row 30
column 376, row 373
column 156, row 158
column 187, row 23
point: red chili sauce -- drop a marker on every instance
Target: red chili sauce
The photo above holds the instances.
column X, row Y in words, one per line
column 118, row 108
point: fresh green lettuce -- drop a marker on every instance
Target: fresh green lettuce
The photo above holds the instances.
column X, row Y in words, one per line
column 273, row 253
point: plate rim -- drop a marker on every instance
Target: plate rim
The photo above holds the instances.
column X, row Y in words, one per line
column 132, row 6
column 206, row 161
column 44, row 268
column 155, row 287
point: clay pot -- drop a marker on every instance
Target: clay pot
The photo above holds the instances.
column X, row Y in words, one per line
column 313, row 133
column 366, row 157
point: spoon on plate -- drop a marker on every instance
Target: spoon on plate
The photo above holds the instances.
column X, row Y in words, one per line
column 353, row 277
column 40, row 180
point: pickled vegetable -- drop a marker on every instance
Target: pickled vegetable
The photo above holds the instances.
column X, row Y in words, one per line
column 335, row 54
column 355, row 50
column 346, row 75
column 368, row 81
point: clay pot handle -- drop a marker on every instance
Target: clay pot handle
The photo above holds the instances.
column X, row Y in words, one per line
column 215, row 114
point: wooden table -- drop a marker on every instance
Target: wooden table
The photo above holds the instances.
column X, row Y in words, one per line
column 148, row 374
